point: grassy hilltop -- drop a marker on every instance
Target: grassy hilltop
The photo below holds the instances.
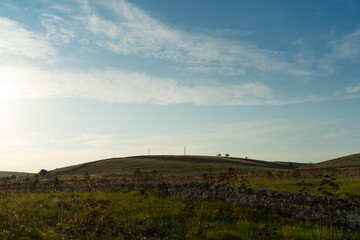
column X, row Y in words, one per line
column 341, row 162
column 171, row 165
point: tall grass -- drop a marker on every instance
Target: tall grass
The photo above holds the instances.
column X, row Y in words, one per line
column 78, row 207
column 127, row 214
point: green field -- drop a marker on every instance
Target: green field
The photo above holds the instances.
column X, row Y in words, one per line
column 278, row 176
column 55, row 205
column 349, row 187
column 125, row 214
column 170, row 165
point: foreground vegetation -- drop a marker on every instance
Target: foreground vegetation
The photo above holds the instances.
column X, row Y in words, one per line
column 128, row 214
column 71, row 203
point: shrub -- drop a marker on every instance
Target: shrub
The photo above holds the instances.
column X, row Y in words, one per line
column 43, row 172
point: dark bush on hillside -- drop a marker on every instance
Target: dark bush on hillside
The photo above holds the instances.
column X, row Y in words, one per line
column 43, row 172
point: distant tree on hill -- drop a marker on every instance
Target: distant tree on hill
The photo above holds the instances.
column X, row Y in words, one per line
column 43, row 172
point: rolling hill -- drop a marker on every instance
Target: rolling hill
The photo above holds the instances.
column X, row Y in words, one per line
column 341, row 162
column 5, row 174
column 170, row 165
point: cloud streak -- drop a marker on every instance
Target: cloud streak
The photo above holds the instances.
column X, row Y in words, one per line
column 56, row 29
column 128, row 30
column 349, row 92
column 15, row 40
column 347, row 47
column 134, row 32
column 113, row 85
column 355, row 89
column 89, row 139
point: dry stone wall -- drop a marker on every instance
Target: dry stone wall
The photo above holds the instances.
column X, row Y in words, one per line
column 297, row 205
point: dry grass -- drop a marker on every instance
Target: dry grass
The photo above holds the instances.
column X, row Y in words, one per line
column 341, row 162
column 171, row 165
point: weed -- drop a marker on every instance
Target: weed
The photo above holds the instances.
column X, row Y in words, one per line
column 290, row 232
column 268, row 232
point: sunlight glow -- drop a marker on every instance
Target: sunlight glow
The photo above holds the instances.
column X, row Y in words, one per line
column 8, row 85
column 9, row 93
column 19, row 83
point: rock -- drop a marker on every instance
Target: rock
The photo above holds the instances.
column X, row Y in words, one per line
column 205, row 196
column 292, row 204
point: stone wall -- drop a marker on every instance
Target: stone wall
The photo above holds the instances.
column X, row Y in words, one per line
column 297, row 205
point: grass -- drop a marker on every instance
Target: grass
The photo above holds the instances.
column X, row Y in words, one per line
column 341, row 162
column 5, row 174
column 176, row 166
column 349, row 188
column 125, row 214
column 278, row 180
column 170, row 165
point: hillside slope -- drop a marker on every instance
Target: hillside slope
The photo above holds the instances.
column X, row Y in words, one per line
column 170, row 165
column 9, row 174
column 340, row 162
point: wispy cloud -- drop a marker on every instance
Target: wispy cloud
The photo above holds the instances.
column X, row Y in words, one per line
column 344, row 133
column 133, row 31
column 123, row 87
column 90, row 139
column 349, row 92
column 56, row 29
column 62, row 8
column 15, row 40
column 347, row 47
column 355, row 89
column 128, row 30
column 325, row 63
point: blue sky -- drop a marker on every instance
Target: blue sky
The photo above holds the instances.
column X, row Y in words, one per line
column 85, row 80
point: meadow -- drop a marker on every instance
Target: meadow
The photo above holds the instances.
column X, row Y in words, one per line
column 129, row 214
column 90, row 206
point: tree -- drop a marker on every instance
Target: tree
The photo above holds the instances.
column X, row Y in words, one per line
column 43, row 172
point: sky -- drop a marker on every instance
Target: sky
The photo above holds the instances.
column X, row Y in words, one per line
column 92, row 79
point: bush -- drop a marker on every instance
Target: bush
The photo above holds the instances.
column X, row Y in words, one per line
column 43, row 172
